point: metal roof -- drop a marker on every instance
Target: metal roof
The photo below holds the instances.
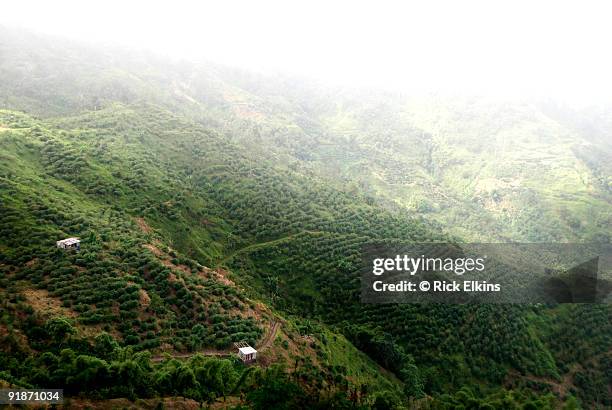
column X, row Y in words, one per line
column 69, row 241
column 247, row 350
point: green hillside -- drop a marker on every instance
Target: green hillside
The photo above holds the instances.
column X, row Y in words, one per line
column 216, row 206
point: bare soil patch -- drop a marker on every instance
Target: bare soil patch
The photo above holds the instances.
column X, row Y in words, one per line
column 179, row 403
column 46, row 304
column 142, row 224
column 165, row 259
column 223, row 276
column 145, row 300
column 156, row 251
column 31, row 262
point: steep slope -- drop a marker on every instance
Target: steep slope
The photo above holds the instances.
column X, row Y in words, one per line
column 200, row 192
column 485, row 169
column 126, row 288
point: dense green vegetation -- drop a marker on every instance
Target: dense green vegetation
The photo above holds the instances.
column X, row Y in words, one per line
column 179, row 189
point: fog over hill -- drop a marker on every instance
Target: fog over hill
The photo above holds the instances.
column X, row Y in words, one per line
column 217, row 205
column 472, row 164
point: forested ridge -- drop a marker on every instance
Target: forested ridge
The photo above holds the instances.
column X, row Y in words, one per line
column 213, row 204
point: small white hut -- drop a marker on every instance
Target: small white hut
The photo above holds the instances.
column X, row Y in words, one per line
column 69, row 243
column 245, row 352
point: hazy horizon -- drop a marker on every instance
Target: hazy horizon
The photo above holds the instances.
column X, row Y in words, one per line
column 390, row 206
column 546, row 50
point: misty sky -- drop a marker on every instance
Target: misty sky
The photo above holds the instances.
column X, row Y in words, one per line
column 516, row 48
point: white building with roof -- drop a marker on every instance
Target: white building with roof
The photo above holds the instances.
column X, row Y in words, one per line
column 69, row 243
column 246, row 353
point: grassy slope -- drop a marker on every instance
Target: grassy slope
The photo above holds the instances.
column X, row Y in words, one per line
column 211, row 193
column 86, row 180
column 487, row 170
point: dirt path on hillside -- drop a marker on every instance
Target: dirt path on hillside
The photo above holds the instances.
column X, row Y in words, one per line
column 258, row 245
column 217, row 353
column 562, row 388
column 269, row 339
column 265, row 344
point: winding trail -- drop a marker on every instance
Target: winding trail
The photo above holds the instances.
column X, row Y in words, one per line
column 562, row 387
column 269, row 339
column 218, row 353
column 265, row 344
column 258, row 245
